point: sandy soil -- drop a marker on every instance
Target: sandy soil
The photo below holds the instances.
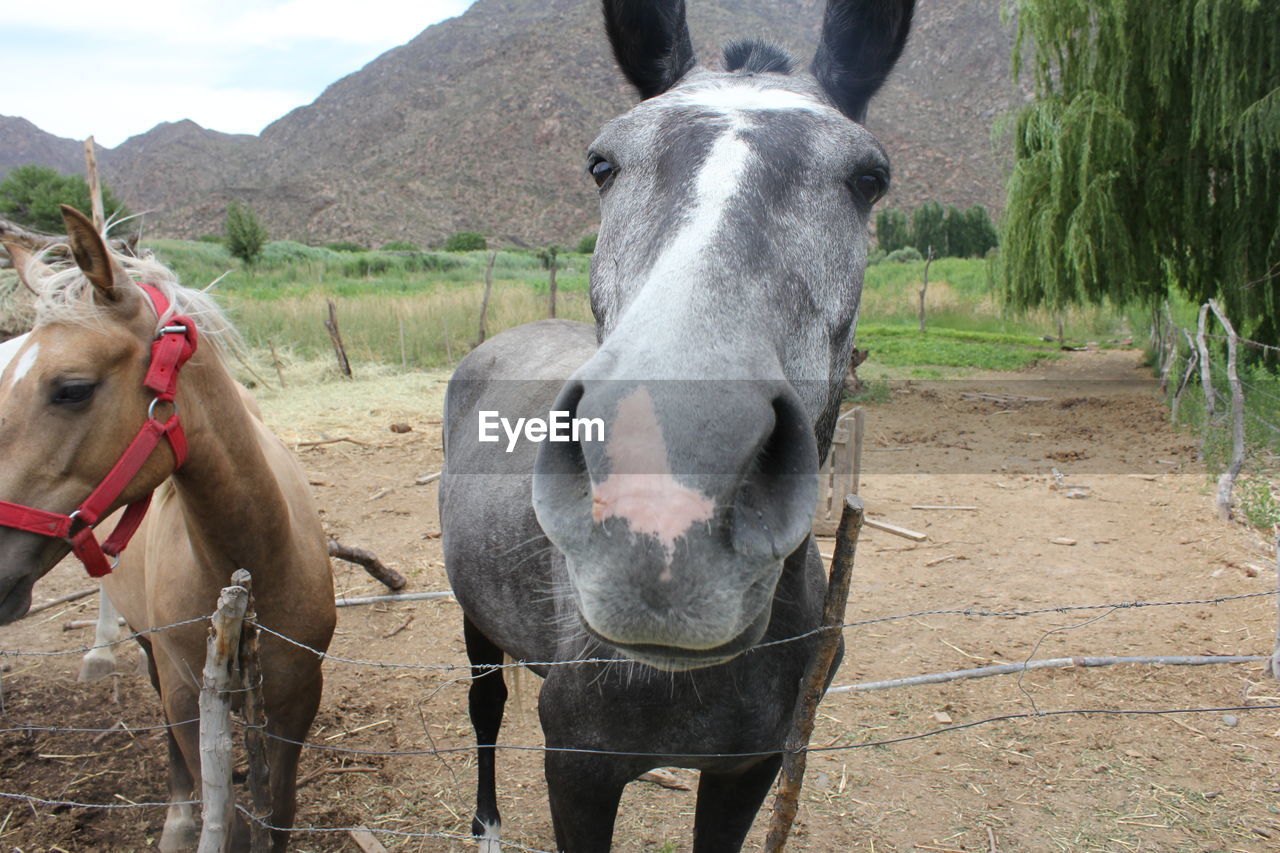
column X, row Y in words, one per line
column 1143, row 530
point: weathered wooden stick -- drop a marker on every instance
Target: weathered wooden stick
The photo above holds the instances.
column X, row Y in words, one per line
column 814, row 682
column 944, row 506
column 366, row 840
column 77, row 624
column 378, row 599
column 895, row 530
column 1227, row 481
column 484, row 303
column 1051, row 663
column 331, row 323
column 95, row 187
column 277, row 363
column 1274, row 667
column 425, row 479
column 11, row 232
column 1192, row 357
column 255, row 722
column 217, row 796
column 1206, row 368
column 389, row 577
column 323, row 441
column 66, row 599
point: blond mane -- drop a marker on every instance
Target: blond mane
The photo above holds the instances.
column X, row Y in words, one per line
column 65, row 295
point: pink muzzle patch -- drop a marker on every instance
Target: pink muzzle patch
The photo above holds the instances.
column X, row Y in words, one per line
column 640, row 488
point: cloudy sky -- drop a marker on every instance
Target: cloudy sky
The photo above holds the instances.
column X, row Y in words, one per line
column 117, row 69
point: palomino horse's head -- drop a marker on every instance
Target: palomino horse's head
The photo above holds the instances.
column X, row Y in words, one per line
column 725, row 286
column 72, row 398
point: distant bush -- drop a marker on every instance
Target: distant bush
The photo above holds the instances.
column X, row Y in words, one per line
column 587, row 245
column 345, row 246
column 246, row 236
column 283, row 252
column 210, row 238
column 30, row 195
column 876, row 256
column 466, row 241
column 904, row 256
column 401, row 246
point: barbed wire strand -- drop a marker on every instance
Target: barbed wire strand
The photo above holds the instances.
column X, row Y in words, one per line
column 75, row 805
column 116, row 729
column 86, row 649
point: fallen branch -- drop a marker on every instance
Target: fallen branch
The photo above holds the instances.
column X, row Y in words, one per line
column 66, row 599
column 320, row 441
column 904, row 532
column 389, row 577
column 377, row 599
column 1052, row 663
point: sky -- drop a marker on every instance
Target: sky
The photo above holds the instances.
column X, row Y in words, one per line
column 113, row 70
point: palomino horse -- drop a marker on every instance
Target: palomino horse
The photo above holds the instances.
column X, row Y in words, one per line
column 667, row 542
column 101, row 367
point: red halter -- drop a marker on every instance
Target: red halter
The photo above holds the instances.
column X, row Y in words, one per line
column 172, row 347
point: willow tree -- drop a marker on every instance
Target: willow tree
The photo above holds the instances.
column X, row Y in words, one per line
column 1150, row 158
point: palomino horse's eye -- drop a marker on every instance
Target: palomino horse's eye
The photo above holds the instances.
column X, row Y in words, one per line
column 871, row 186
column 601, row 169
column 73, row 392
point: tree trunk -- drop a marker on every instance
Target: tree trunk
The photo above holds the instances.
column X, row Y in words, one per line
column 336, row 336
column 484, row 303
column 551, row 304
column 925, row 289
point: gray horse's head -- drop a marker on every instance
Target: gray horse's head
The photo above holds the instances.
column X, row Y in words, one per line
column 725, row 286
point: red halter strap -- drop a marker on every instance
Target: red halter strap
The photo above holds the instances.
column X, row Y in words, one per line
column 171, row 349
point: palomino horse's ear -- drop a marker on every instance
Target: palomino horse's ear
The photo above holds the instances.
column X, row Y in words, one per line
column 25, row 265
column 650, row 40
column 861, row 40
column 91, row 253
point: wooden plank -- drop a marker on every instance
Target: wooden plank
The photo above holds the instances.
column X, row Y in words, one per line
column 904, row 532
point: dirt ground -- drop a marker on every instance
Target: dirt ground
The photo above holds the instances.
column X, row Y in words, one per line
column 1144, row 529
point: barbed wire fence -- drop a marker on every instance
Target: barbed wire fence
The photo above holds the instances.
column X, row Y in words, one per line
column 461, row 673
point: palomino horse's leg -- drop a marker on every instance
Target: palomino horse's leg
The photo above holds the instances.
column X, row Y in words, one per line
column 485, row 702
column 181, row 830
column 100, row 661
column 288, row 721
column 727, row 805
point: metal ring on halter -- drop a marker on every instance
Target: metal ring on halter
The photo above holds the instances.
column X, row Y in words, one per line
column 151, row 409
column 169, row 330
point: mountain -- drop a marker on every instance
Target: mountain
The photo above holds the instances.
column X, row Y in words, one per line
column 482, row 122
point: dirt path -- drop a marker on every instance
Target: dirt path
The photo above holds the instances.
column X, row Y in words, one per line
column 1143, row 529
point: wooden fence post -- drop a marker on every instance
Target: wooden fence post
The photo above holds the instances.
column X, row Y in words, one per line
column 255, row 722
column 1192, row 357
column 331, row 323
column 217, row 796
column 1206, row 368
column 95, row 187
column 1273, row 666
column 924, row 288
column 814, row 682
column 1227, row 481
column 484, row 303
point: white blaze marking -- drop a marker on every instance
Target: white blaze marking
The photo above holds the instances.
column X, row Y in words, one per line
column 24, row 364
column 729, row 99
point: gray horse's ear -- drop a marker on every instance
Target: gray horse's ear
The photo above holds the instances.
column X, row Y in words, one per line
column 26, row 266
column 91, row 253
column 650, row 40
column 861, row 41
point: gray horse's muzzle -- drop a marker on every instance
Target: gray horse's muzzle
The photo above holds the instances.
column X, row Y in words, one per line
column 675, row 526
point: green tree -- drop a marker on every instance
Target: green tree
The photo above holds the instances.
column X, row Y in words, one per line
column 982, row 233
column 587, row 245
column 955, row 230
column 245, row 234
column 30, row 195
column 928, row 228
column 893, row 230
column 466, row 241
column 1150, row 159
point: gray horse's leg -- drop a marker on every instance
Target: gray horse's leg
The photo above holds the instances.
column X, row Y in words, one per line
column 584, row 791
column 485, row 700
column 727, row 805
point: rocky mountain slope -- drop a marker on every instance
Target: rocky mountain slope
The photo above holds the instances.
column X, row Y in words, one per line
column 481, row 123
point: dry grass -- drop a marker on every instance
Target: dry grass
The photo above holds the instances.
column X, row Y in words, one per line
column 17, row 308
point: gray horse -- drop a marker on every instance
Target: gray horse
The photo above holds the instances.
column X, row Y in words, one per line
column 627, row 509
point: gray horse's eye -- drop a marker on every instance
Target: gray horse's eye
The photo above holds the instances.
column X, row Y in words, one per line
column 870, row 186
column 600, row 169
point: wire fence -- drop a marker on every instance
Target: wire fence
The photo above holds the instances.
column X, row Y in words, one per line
column 461, row 673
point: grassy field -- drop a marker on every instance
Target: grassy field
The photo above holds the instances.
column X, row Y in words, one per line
column 422, row 309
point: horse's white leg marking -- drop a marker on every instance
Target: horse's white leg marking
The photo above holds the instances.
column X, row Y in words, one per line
column 490, row 842
column 100, row 661
column 180, row 832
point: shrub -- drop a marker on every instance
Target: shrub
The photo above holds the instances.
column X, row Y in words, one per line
column 283, row 252
column 30, row 195
column 210, row 238
column 904, row 256
column 345, row 246
column 875, row 256
column 245, row 234
column 401, row 246
column 893, row 230
column 587, row 245
column 466, row 241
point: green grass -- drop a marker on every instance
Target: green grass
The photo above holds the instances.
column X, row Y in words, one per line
column 904, row 346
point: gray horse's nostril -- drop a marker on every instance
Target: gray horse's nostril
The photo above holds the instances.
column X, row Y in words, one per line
column 774, row 505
